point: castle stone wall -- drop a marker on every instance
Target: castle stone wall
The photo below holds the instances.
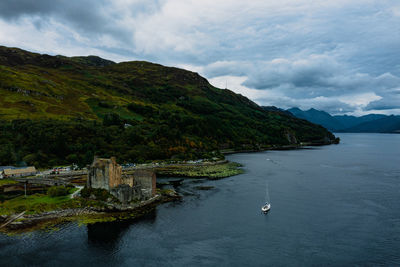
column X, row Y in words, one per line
column 107, row 174
column 104, row 173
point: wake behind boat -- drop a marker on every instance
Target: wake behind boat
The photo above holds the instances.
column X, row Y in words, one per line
column 267, row 205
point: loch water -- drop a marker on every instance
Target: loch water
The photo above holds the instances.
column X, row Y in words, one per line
column 331, row 205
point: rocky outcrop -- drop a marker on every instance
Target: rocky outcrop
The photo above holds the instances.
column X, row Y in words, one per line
column 291, row 137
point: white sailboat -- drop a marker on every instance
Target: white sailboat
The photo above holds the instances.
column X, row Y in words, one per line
column 267, row 205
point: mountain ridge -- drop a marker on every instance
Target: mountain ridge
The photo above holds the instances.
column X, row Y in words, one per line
column 373, row 123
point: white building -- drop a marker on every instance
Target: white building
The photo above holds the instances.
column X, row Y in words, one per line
column 18, row 172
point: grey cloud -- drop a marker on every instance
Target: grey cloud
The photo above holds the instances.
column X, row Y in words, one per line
column 304, row 73
column 81, row 12
column 390, row 100
column 312, row 76
column 233, row 68
column 12, row 9
column 384, row 104
column 301, row 49
column 88, row 16
column 332, row 106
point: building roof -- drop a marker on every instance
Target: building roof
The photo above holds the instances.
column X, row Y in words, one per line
column 24, row 170
column 6, row 167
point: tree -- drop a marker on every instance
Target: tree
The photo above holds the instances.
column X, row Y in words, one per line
column 7, row 155
column 30, row 159
column 112, row 119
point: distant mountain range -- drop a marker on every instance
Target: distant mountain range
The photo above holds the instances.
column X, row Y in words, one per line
column 372, row 123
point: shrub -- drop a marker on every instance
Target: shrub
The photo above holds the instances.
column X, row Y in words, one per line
column 57, row 191
column 85, row 192
column 20, row 208
column 30, row 158
column 40, row 207
column 99, row 194
column 104, row 104
column 112, row 119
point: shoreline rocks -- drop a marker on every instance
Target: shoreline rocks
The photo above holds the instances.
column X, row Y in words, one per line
column 29, row 222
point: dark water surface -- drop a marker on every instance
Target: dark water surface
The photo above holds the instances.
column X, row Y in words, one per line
column 332, row 205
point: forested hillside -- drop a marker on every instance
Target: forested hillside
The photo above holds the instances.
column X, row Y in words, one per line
column 59, row 110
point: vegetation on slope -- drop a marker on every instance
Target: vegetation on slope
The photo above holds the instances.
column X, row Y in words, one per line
column 211, row 171
column 37, row 203
column 58, row 110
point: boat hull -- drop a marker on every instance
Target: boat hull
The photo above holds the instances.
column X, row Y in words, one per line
column 266, row 208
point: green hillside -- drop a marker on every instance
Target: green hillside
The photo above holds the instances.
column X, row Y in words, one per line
column 58, row 110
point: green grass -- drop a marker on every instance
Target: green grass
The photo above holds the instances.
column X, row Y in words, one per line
column 7, row 182
column 36, row 203
column 216, row 171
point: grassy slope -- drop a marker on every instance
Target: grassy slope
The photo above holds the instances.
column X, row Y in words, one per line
column 165, row 100
column 7, row 182
column 36, row 203
column 216, row 171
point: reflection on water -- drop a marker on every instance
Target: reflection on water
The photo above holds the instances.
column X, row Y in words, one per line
column 109, row 234
column 333, row 205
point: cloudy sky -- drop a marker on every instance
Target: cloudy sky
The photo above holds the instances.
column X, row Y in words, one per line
column 341, row 56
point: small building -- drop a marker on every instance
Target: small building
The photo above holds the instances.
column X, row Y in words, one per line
column 19, row 172
column 2, row 168
column 107, row 174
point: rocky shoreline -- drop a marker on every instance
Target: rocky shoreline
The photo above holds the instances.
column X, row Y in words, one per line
column 305, row 145
column 110, row 212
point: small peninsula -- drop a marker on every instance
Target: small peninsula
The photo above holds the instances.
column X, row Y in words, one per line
column 103, row 192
